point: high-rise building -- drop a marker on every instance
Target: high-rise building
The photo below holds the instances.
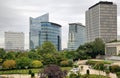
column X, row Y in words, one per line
column 101, row 21
column 14, row 41
column 77, row 35
column 42, row 30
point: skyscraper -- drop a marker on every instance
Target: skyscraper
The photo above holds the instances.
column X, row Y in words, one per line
column 42, row 30
column 101, row 21
column 77, row 35
column 14, row 41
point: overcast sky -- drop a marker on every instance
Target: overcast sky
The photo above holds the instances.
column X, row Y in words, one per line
column 14, row 15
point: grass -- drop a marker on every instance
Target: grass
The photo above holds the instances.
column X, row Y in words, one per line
column 92, row 62
column 26, row 71
column 21, row 71
column 94, row 76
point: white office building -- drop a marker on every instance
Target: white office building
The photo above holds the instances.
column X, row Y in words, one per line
column 14, row 41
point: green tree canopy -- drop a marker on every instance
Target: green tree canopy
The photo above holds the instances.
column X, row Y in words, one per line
column 2, row 53
column 46, row 47
column 23, row 62
column 10, row 55
column 93, row 48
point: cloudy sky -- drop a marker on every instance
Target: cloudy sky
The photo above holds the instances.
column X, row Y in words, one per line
column 14, row 15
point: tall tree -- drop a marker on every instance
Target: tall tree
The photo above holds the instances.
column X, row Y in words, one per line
column 2, row 53
column 23, row 62
column 46, row 47
column 53, row 71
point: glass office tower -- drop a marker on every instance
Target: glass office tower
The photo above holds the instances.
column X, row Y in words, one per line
column 77, row 35
column 42, row 30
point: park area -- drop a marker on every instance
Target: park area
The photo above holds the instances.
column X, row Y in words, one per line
column 83, row 65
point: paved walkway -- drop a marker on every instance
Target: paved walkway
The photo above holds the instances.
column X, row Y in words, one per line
column 17, row 76
column 92, row 71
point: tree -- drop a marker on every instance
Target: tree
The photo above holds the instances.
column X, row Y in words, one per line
column 2, row 53
column 53, row 71
column 21, row 54
column 34, row 55
column 46, row 47
column 94, row 48
column 37, row 63
column 9, row 64
column 114, row 68
column 49, row 59
column 99, row 46
column 23, row 62
column 10, row 55
column 99, row 65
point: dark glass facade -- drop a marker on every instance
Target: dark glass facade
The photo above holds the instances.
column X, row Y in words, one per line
column 41, row 31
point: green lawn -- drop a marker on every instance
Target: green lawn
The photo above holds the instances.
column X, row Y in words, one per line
column 25, row 71
column 95, row 76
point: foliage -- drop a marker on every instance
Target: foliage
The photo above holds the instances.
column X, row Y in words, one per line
column 118, row 74
column 21, row 54
column 9, row 64
column 23, row 62
column 66, row 63
column 26, row 71
column 93, row 62
column 30, row 71
column 34, row 55
column 99, row 65
column 94, row 48
column 2, row 53
column 94, row 76
column 10, row 55
column 46, row 47
column 36, row 63
column 73, row 75
column 114, row 68
column 53, row 71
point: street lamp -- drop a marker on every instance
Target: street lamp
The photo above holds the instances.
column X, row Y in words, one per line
column 20, row 71
column 26, row 68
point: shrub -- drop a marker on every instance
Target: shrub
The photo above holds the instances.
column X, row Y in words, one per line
column 9, row 64
column 114, row 68
column 37, row 63
column 23, row 62
column 118, row 74
column 73, row 75
column 99, row 65
column 64, row 63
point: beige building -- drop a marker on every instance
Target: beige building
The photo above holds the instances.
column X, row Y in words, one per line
column 14, row 41
column 112, row 48
column 101, row 21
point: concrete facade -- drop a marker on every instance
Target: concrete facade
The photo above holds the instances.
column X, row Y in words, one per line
column 101, row 21
column 14, row 41
column 112, row 48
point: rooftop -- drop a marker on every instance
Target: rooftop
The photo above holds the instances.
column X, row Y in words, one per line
column 102, row 2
